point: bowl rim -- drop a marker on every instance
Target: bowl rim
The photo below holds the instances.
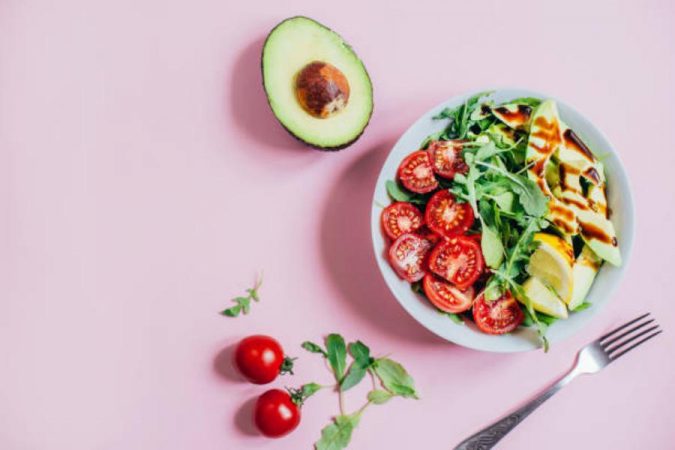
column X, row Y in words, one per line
column 619, row 178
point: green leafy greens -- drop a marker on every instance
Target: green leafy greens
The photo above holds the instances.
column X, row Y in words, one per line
column 394, row 381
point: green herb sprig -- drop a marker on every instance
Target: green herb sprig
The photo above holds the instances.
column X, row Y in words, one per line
column 394, row 381
column 243, row 303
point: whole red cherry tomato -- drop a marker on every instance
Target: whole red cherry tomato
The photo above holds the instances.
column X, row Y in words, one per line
column 261, row 359
column 276, row 414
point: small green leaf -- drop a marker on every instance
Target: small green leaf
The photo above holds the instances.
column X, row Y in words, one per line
column 379, row 396
column 337, row 355
column 310, row 389
column 354, row 376
column 394, row 378
column 232, row 312
column 582, row 306
column 314, row 348
column 361, row 353
column 492, row 247
column 338, row 434
column 455, row 318
column 396, row 192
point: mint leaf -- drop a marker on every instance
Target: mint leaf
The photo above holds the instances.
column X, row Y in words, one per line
column 338, row 434
column 379, row 396
column 314, row 348
column 394, row 378
column 337, row 355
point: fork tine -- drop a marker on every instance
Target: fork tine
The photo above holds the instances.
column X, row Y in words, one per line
column 625, row 333
column 615, row 357
column 616, row 330
column 621, row 344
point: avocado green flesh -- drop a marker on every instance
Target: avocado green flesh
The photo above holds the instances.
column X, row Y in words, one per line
column 292, row 45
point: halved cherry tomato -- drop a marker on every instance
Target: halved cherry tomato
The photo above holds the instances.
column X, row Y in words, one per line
column 458, row 260
column 446, row 158
column 447, row 217
column 475, row 236
column 407, row 255
column 445, row 296
column 399, row 218
column 499, row 316
column 429, row 235
column 417, row 174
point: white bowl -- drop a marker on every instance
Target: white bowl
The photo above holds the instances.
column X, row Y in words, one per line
column 620, row 202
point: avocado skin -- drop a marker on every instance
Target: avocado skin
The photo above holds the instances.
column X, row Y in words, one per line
column 298, row 138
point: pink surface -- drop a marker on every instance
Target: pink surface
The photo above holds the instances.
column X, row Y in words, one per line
column 145, row 182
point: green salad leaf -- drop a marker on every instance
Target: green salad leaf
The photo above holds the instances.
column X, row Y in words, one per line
column 338, row 434
column 337, row 355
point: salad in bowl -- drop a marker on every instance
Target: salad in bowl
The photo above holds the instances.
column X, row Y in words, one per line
column 500, row 219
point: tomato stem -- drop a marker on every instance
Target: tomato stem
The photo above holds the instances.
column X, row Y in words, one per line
column 287, row 366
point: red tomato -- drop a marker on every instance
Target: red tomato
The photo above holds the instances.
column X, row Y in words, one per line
column 458, row 260
column 275, row 413
column 476, row 237
column 399, row 218
column 445, row 296
column 417, row 174
column 499, row 316
column 446, row 158
column 447, row 217
column 260, row 359
column 429, row 235
column 407, row 255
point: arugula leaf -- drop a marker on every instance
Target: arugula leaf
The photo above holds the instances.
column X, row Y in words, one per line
column 337, row 355
column 455, row 318
column 394, row 378
column 492, row 247
column 582, row 306
column 379, row 396
column 338, row 434
column 314, row 348
column 401, row 194
column 529, row 101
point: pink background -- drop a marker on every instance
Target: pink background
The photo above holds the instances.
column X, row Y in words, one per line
column 145, row 182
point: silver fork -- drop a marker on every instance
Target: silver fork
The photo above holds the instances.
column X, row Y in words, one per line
column 591, row 359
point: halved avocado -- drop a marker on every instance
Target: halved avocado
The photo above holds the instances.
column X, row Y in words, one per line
column 316, row 86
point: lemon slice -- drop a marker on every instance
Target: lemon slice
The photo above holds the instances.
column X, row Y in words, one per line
column 552, row 264
column 543, row 300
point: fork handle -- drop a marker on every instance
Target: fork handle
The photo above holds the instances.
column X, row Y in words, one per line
column 488, row 437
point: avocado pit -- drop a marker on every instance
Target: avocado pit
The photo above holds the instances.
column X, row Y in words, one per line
column 321, row 89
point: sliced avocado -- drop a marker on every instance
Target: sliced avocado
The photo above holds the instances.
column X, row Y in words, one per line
column 543, row 143
column 515, row 115
column 577, row 163
column 584, row 271
column 317, row 87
